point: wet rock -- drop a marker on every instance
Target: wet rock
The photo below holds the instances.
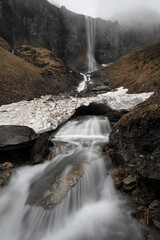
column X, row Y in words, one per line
column 15, row 137
column 131, row 135
column 48, row 189
column 130, row 183
column 119, row 175
column 6, row 166
column 5, row 173
column 15, row 143
column 135, row 148
column 21, row 145
column 40, row 150
column 139, row 213
column 5, row 177
column 154, row 214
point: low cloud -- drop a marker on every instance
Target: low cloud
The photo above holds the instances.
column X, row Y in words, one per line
column 138, row 18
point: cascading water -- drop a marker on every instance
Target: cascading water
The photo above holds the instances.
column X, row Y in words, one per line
column 90, row 209
column 90, row 29
column 83, row 84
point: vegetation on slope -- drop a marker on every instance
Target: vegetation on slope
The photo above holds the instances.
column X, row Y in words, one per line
column 138, row 70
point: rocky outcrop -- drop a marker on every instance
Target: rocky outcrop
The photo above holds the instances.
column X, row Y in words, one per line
column 138, row 70
column 45, row 74
column 64, row 32
column 50, row 66
column 134, row 148
column 49, row 189
column 21, row 145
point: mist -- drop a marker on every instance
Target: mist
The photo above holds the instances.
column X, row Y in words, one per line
column 144, row 13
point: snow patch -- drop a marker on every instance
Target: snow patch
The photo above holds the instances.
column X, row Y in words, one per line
column 47, row 112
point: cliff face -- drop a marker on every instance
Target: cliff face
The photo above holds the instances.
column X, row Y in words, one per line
column 40, row 23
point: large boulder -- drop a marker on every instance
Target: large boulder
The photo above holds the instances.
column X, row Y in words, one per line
column 14, row 137
column 51, row 186
column 15, row 143
column 21, row 145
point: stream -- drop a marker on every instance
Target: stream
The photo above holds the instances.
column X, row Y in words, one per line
column 90, row 208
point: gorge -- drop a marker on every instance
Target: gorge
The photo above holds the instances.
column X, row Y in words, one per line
column 79, row 127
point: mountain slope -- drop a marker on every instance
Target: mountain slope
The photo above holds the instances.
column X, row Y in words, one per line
column 45, row 74
column 138, row 70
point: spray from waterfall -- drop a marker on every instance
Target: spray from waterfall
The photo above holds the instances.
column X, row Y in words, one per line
column 90, row 29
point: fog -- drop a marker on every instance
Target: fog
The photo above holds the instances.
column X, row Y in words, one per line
column 145, row 12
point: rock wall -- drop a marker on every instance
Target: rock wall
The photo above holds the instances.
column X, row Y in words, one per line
column 134, row 148
column 64, row 32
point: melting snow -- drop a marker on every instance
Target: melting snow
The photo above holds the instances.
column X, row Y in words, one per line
column 47, row 112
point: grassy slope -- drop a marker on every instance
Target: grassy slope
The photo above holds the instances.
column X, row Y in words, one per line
column 138, row 70
column 19, row 79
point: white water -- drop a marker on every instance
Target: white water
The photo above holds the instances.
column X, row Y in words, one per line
column 91, row 210
column 83, row 84
column 90, row 28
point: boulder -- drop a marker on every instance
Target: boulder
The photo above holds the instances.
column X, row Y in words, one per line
column 15, row 144
column 15, row 137
column 40, row 150
column 50, row 187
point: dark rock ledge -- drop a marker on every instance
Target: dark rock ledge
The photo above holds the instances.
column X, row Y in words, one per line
column 20, row 145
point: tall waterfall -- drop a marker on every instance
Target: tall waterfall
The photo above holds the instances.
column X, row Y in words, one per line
column 91, row 209
column 91, row 29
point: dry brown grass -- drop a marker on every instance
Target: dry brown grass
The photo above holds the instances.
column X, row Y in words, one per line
column 19, row 79
column 139, row 70
column 48, row 64
column 4, row 44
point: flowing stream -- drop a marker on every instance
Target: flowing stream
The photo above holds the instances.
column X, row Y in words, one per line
column 90, row 209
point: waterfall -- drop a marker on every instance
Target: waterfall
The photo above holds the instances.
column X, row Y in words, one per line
column 90, row 29
column 90, row 210
column 83, row 84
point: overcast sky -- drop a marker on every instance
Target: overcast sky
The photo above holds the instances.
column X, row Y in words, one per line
column 108, row 9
